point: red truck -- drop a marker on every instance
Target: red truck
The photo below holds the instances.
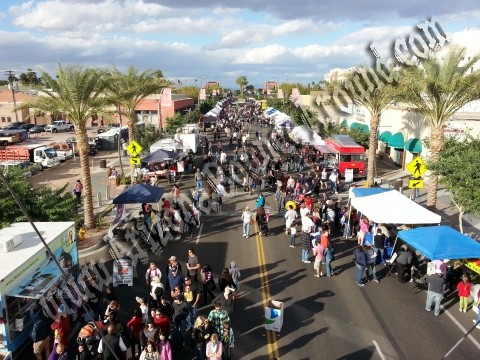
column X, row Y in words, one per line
column 342, row 152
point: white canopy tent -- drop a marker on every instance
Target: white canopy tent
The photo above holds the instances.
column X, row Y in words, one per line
column 306, row 136
column 388, row 206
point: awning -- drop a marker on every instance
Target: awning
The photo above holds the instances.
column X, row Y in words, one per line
column 360, row 127
column 344, row 124
column 441, row 242
column 385, row 136
column 414, row 145
column 325, row 149
column 397, row 141
column 140, row 193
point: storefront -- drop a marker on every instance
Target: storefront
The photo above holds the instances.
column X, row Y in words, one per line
column 29, row 276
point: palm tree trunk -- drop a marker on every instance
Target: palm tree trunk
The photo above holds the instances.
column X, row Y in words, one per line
column 82, row 138
column 372, row 149
column 436, row 145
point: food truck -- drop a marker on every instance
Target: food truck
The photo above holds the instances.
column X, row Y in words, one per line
column 342, row 152
column 28, row 275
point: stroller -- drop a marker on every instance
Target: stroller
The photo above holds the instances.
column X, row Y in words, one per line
column 90, row 337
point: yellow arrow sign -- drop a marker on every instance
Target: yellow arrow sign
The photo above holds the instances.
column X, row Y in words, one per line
column 417, row 167
column 135, row 161
column 134, row 148
column 415, row 183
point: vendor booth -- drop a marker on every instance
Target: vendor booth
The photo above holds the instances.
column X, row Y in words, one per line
column 388, row 206
column 29, row 276
column 441, row 242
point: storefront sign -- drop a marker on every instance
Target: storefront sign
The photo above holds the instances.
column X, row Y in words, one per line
column 123, row 272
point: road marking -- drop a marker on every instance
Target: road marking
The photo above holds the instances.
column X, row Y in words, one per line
column 460, row 326
column 380, row 353
column 199, row 233
column 272, row 343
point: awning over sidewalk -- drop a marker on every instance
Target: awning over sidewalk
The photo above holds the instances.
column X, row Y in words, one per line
column 397, row 141
column 385, row 136
column 413, row 145
column 360, row 127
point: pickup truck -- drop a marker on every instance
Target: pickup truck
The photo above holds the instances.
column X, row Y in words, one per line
column 63, row 150
column 8, row 140
column 59, row 125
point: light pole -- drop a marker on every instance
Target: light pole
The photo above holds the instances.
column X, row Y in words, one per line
column 13, row 86
column 203, row 79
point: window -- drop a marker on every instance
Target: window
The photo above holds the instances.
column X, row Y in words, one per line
column 9, row 119
column 3, row 118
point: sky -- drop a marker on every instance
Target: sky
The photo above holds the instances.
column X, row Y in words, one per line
column 212, row 40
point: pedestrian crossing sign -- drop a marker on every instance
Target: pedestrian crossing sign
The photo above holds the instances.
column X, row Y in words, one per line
column 134, row 148
column 135, row 160
column 417, row 167
column 415, row 183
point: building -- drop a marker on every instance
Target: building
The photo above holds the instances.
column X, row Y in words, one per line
column 338, row 75
column 270, row 87
column 402, row 129
column 7, row 108
column 155, row 109
column 211, row 84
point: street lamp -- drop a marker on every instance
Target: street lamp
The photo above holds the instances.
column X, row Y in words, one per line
column 13, row 86
column 203, row 79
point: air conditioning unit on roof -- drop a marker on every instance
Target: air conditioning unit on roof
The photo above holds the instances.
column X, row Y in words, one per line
column 8, row 243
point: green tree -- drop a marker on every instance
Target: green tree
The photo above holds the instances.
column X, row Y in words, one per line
column 457, row 169
column 148, row 135
column 127, row 90
column 438, row 88
column 77, row 93
column 42, row 204
column 241, row 81
column 367, row 87
column 190, row 91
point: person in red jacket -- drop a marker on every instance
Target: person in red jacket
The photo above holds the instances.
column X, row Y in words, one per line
column 464, row 287
column 162, row 322
column 61, row 326
column 135, row 326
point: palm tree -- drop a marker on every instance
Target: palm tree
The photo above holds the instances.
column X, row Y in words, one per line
column 127, row 90
column 376, row 101
column 242, row 82
column 78, row 94
column 438, row 87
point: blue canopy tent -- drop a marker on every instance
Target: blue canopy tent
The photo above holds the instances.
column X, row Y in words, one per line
column 441, row 242
column 140, row 193
column 159, row 156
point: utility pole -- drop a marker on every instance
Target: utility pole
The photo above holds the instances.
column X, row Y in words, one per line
column 11, row 85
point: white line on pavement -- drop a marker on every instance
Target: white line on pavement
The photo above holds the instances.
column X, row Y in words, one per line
column 199, row 233
column 380, row 353
column 460, row 326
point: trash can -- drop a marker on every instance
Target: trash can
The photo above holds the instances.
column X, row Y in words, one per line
column 103, row 163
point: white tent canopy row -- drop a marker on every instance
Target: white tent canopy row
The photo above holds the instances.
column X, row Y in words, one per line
column 303, row 134
column 388, row 206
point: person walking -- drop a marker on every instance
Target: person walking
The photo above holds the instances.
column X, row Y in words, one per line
column 208, row 283
column 217, row 317
column 235, row 274
column 247, row 218
column 289, row 217
column 464, row 287
column 404, row 261
column 306, row 244
column 329, row 257
column 77, row 190
column 150, row 352
column 360, row 263
column 293, row 234
column 199, row 179
column 214, row 349
column 318, row 251
column 371, row 260
column 435, row 284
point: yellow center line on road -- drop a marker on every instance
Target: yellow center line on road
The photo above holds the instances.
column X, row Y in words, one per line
column 272, row 343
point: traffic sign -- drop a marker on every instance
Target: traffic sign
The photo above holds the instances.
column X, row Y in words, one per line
column 134, row 148
column 417, row 167
column 415, row 183
column 135, row 160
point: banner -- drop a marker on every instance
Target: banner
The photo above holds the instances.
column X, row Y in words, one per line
column 123, row 272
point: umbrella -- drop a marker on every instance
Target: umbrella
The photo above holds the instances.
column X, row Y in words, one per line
column 292, row 204
column 140, row 193
column 159, row 156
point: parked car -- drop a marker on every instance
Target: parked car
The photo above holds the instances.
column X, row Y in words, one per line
column 92, row 143
column 5, row 166
column 11, row 127
column 27, row 126
column 37, row 129
column 33, row 168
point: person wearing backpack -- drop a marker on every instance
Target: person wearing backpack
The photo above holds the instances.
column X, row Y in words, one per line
column 360, row 263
